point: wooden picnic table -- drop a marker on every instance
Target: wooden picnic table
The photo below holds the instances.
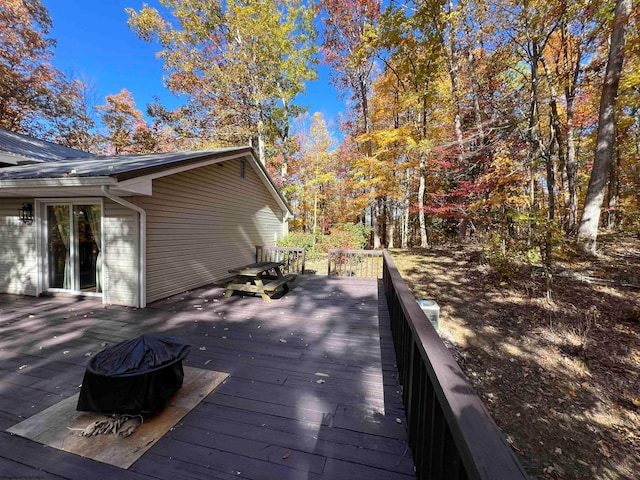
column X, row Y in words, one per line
column 263, row 278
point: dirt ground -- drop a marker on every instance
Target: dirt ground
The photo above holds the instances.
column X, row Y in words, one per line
column 560, row 377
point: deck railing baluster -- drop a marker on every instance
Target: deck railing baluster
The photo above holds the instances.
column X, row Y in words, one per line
column 354, row 263
column 293, row 258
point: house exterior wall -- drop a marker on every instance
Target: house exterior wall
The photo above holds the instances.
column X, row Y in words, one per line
column 120, row 256
column 202, row 222
column 18, row 255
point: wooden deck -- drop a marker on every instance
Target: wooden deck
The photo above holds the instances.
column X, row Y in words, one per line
column 312, row 391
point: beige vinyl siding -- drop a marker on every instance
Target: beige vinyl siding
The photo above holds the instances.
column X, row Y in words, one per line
column 202, row 222
column 18, row 255
column 120, row 256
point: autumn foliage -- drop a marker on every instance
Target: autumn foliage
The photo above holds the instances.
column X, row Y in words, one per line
column 465, row 120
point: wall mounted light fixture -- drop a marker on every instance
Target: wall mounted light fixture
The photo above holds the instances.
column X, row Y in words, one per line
column 25, row 213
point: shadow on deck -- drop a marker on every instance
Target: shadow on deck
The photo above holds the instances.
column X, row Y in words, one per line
column 312, row 391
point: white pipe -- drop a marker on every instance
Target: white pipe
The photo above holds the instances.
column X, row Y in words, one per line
column 142, row 250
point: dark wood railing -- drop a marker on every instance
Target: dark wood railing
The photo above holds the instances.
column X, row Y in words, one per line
column 355, row 263
column 292, row 257
column 450, row 431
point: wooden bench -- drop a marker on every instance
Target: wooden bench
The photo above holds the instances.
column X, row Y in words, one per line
column 273, row 285
column 263, row 278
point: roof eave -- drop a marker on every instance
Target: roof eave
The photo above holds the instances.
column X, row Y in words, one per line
column 164, row 170
column 57, row 182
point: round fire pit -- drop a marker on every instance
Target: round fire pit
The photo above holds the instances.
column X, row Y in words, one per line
column 134, row 377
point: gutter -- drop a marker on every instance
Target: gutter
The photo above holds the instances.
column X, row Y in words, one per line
column 142, row 250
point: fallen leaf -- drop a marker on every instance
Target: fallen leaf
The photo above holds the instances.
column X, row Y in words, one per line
column 286, row 455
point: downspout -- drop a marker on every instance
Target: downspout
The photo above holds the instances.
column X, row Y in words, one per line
column 142, row 250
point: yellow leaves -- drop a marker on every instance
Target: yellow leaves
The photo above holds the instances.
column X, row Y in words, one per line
column 146, row 24
column 412, row 142
column 389, row 138
column 236, row 61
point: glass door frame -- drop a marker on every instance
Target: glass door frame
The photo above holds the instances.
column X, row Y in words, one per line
column 42, row 232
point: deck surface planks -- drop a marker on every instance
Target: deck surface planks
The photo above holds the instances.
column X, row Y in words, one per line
column 312, row 391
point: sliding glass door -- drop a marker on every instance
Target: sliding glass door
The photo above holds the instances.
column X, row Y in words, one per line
column 74, row 240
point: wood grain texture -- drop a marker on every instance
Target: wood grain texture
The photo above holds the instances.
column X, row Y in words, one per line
column 312, row 391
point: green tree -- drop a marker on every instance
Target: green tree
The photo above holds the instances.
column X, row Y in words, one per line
column 240, row 63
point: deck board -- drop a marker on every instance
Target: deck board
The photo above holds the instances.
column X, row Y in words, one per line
column 311, row 394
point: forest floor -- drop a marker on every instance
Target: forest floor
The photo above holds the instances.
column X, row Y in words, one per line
column 561, row 377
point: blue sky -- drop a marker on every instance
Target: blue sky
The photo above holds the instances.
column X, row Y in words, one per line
column 95, row 43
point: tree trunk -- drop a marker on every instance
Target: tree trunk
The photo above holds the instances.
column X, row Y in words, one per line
column 406, row 204
column 452, row 59
column 375, row 227
column 588, row 229
column 391, row 222
column 571, row 164
column 571, row 167
column 532, row 136
column 475, row 86
column 421, row 216
column 557, row 138
column 613, row 192
column 383, row 217
column 261, row 148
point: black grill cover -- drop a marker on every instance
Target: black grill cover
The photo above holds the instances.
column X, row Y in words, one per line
column 135, row 377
